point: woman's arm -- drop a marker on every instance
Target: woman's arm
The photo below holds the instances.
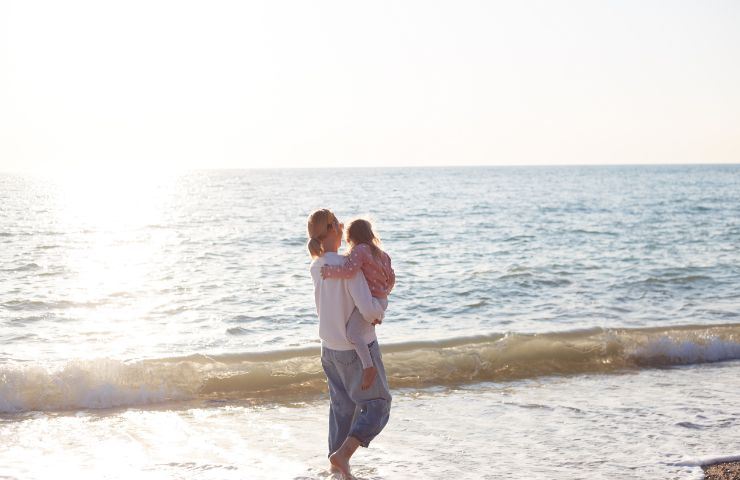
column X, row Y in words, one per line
column 351, row 266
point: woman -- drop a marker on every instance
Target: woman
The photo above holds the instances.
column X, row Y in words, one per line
column 336, row 299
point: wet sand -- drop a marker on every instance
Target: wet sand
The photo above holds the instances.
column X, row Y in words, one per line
column 722, row 471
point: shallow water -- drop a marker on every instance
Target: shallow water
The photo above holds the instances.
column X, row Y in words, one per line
column 646, row 424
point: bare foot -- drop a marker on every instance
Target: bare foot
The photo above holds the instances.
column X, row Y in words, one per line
column 339, row 463
column 340, row 458
column 368, row 377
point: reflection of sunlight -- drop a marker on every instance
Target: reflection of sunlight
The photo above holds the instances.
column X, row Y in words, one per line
column 113, row 245
column 112, row 200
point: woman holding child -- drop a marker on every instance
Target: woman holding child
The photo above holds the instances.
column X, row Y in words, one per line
column 351, row 297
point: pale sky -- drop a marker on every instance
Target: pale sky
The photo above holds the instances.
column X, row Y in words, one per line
column 244, row 84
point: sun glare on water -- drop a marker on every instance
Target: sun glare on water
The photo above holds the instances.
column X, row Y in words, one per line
column 112, row 201
column 112, row 221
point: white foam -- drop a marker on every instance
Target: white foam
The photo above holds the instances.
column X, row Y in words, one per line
column 676, row 351
column 86, row 384
column 708, row 460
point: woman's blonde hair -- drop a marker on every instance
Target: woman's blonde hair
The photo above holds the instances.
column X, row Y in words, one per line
column 361, row 231
column 320, row 223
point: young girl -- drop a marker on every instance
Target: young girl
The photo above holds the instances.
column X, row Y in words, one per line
column 365, row 255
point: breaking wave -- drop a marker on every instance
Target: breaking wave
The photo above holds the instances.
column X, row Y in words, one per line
column 290, row 375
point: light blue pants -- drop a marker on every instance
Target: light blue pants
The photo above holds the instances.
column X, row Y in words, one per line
column 354, row 412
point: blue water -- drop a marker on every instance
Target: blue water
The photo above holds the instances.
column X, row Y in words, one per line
column 215, row 261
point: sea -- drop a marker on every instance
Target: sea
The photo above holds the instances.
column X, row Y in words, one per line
column 570, row 322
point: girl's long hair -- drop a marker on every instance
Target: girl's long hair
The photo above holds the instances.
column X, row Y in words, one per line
column 361, row 231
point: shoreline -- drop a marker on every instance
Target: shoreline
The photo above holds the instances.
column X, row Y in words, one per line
column 635, row 436
column 722, row 471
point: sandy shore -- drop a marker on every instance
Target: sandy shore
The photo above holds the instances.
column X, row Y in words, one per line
column 722, row 471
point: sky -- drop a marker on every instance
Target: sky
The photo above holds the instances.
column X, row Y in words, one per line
column 161, row 84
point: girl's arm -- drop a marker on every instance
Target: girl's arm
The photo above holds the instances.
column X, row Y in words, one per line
column 351, row 266
column 392, row 282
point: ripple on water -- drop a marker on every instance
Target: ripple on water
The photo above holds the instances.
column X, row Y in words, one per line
column 624, row 241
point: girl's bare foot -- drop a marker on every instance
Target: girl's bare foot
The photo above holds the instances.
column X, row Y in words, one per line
column 368, row 377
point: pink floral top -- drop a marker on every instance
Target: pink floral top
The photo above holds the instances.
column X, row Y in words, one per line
column 377, row 270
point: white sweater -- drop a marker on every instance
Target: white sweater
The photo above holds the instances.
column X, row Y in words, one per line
column 335, row 300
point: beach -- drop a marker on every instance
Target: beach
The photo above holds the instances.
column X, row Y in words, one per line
column 723, row 471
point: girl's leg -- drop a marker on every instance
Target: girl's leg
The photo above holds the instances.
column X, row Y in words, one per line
column 360, row 334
